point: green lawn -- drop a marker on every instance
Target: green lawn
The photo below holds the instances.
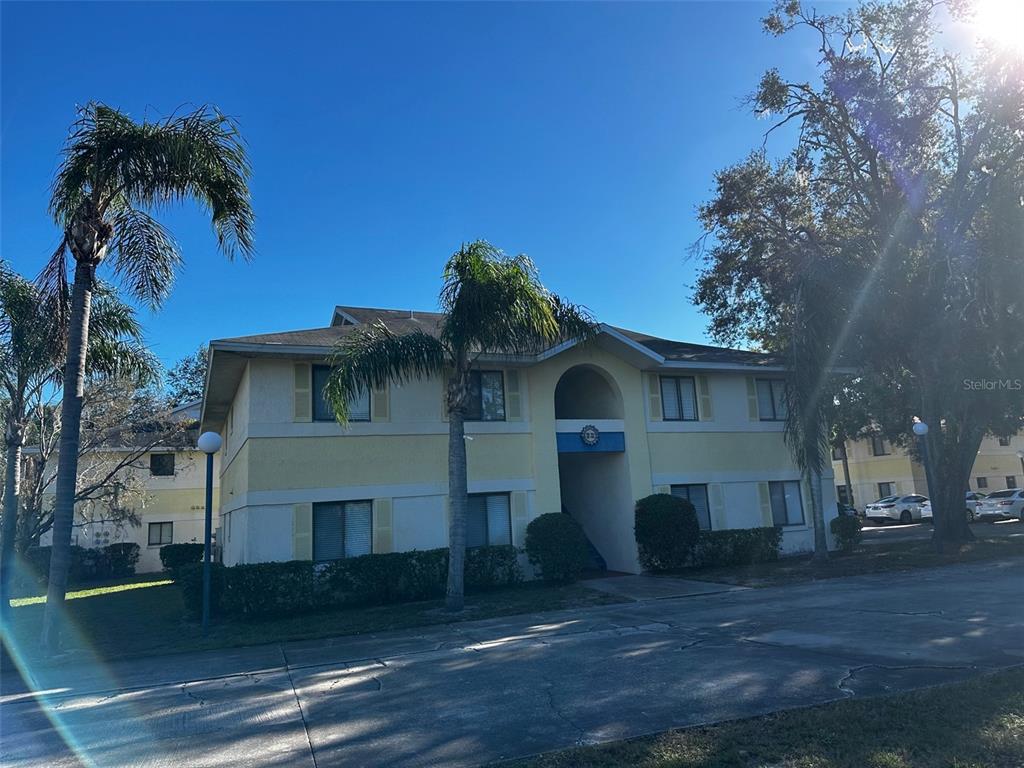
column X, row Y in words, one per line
column 977, row 724
column 868, row 558
column 143, row 616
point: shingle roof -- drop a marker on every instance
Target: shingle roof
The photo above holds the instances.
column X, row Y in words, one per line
column 403, row 321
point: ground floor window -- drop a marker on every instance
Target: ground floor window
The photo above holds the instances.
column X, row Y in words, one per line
column 342, row 529
column 1011, row 481
column 698, row 496
column 885, row 490
column 160, row 534
column 488, row 520
column 787, row 509
column 982, row 482
column 841, row 495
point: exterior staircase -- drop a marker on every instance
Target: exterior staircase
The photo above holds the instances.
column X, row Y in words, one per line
column 596, row 562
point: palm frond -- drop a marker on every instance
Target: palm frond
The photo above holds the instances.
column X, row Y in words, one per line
column 122, row 359
column 146, row 256
column 371, row 357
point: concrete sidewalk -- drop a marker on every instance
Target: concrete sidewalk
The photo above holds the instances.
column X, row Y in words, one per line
column 480, row 691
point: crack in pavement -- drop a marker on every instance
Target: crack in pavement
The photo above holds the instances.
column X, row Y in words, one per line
column 841, row 684
column 580, row 732
column 298, row 703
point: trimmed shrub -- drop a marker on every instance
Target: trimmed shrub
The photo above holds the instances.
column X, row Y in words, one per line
column 86, row 564
column 301, row 586
column 556, row 545
column 846, row 529
column 666, row 532
column 176, row 555
column 741, row 546
column 121, row 558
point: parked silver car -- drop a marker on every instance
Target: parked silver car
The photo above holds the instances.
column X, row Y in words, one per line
column 972, row 501
column 1002, row 505
column 905, row 509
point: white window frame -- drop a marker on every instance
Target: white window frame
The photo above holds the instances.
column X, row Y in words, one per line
column 677, row 387
column 707, row 500
column 317, row 397
column 344, row 511
column 479, row 415
column 160, row 536
column 800, row 500
column 776, row 389
column 487, row 529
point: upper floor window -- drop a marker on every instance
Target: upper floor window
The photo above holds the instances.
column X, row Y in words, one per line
column 342, row 529
column 878, row 447
column 486, row 396
column 787, row 508
column 488, row 520
column 678, row 398
column 161, row 464
column 1011, row 481
column 885, row 490
column 358, row 408
column 981, row 482
column 698, row 496
column 771, row 404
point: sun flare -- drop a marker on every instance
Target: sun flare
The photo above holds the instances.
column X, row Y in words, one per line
column 1000, row 23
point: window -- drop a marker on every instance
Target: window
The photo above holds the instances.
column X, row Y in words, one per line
column 1004, row 441
column 358, row 408
column 786, row 506
column 878, row 446
column 885, row 490
column 160, row 534
column 161, row 464
column 342, row 529
column 1011, row 481
column 981, row 482
column 488, row 520
column 841, row 495
column 678, row 398
column 486, row 396
column 770, row 403
column 916, row 499
column 698, row 496
column 839, row 453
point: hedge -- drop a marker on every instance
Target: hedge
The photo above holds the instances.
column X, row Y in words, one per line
column 300, row 586
column 666, row 532
column 86, row 563
column 557, row 546
column 846, row 529
column 739, row 546
column 176, row 555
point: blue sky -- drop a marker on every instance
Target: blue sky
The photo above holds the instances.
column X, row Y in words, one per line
column 384, row 135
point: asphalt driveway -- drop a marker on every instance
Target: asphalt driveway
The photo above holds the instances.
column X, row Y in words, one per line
column 890, row 532
column 481, row 691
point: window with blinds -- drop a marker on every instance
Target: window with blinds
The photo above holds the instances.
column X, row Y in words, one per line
column 358, row 407
column 486, row 400
column 787, row 509
column 771, row 403
column 342, row 529
column 160, row 534
column 488, row 520
column 698, row 496
column 678, row 398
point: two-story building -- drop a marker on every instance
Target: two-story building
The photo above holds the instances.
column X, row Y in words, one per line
column 583, row 428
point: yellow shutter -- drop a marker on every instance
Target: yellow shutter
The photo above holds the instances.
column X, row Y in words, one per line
column 667, row 489
column 706, row 407
column 513, row 397
column 716, row 505
column 766, row 505
column 302, row 532
column 520, row 514
column 303, row 392
column 752, row 411
column 380, row 404
column 654, row 397
column 382, row 526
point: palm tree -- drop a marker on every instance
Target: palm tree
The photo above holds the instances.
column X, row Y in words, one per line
column 114, row 173
column 31, row 353
column 492, row 304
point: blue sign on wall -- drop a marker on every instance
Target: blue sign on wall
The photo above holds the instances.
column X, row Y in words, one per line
column 607, row 442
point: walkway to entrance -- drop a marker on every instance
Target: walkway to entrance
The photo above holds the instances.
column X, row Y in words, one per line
column 645, row 587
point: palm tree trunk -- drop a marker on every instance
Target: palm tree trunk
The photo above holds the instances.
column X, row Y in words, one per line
column 818, row 514
column 458, row 502
column 12, row 489
column 846, row 476
column 67, row 458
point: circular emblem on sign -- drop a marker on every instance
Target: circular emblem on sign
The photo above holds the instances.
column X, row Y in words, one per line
column 590, row 435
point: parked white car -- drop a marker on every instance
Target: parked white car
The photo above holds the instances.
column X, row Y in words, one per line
column 1002, row 505
column 905, row 509
column 972, row 501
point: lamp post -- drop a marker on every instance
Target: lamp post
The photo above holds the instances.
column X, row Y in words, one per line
column 209, row 443
column 921, row 430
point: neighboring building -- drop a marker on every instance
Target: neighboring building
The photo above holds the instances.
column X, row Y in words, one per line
column 582, row 428
column 170, row 507
column 878, row 469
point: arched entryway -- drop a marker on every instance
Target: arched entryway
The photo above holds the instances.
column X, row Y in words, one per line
column 592, row 464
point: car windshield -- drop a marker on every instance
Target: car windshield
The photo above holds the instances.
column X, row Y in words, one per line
column 1001, row 494
column 886, row 499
